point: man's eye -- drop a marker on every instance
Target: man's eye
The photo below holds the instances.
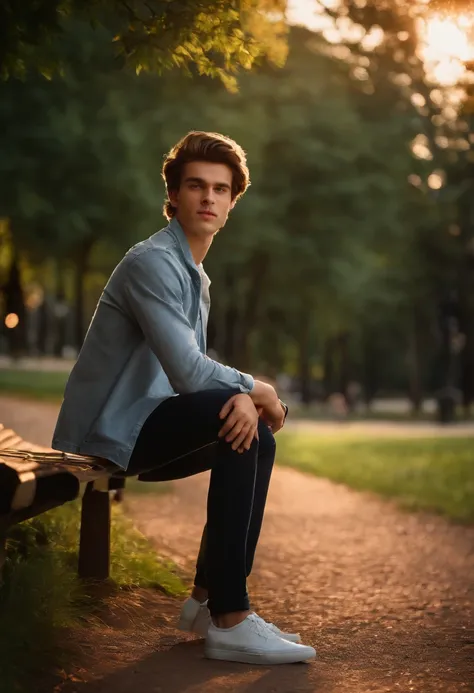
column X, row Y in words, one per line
column 193, row 186
column 219, row 189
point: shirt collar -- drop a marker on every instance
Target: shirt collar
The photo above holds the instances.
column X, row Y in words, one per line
column 177, row 232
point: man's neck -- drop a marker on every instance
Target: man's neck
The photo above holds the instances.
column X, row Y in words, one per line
column 199, row 246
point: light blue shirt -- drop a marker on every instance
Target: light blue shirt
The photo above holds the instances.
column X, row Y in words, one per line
column 146, row 343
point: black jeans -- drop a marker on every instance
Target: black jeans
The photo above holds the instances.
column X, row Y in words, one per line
column 179, row 439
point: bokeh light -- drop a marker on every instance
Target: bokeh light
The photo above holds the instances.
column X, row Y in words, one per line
column 11, row 320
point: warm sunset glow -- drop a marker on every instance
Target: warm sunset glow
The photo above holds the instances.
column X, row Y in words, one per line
column 447, row 43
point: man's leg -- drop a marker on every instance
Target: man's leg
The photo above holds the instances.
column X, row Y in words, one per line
column 167, row 447
column 172, row 444
column 265, row 461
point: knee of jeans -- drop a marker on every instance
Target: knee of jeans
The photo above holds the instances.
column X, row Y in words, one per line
column 267, row 443
column 254, row 446
column 212, row 401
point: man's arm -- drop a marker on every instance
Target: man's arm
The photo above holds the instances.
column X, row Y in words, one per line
column 154, row 295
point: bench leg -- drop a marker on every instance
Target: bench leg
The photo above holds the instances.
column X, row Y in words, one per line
column 94, row 547
column 3, row 553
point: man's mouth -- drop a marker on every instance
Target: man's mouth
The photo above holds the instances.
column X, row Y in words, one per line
column 207, row 213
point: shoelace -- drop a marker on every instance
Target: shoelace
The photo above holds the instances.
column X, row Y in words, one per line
column 260, row 627
column 274, row 628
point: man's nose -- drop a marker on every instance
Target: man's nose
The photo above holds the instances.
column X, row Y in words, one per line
column 208, row 196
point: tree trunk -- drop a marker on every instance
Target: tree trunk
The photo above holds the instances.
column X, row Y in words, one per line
column 43, row 327
column 258, row 269
column 61, row 310
column 370, row 367
column 304, row 359
column 344, row 367
column 328, row 376
column 467, row 374
column 15, row 304
column 81, row 259
column 466, row 326
column 230, row 319
column 414, row 363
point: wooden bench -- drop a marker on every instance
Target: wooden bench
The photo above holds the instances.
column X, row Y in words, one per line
column 34, row 479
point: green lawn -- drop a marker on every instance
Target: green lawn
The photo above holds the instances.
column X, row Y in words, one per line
column 49, row 385
column 45, row 385
column 147, row 487
column 317, row 412
column 435, row 474
column 428, row 474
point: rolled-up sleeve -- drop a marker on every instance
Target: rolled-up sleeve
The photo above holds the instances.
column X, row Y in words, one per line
column 154, row 293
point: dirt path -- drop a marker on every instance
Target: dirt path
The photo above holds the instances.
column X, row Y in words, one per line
column 386, row 597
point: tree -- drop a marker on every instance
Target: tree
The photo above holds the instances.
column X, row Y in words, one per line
column 70, row 175
column 211, row 36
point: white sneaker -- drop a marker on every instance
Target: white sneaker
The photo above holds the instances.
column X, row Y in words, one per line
column 195, row 618
column 253, row 642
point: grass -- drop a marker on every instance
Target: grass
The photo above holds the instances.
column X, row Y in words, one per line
column 43, row 385
column 49, row 386
column 319, row 412
column 41, row 594
column 420, row 474
column 147, row 487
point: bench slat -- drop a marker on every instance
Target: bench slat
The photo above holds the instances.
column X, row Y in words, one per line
column 29, row 477
column 34, row 479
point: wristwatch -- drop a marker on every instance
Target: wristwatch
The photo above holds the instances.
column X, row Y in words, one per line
column 285, row 407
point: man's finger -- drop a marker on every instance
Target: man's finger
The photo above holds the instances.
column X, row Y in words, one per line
column 253, row 433
column 241, row 437
column 227, row 407
column 277, row 426
column 250, row 436
column 229, row 423
column 234, row 432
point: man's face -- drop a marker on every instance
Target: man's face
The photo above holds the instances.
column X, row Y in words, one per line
column 203, row 200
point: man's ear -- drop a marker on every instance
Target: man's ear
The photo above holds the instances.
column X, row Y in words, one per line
column 232, row 204
column 173, row 197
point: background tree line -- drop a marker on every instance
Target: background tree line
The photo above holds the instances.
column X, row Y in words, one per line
column 351, row 256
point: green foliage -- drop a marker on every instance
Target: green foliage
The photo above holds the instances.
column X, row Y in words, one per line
column 426, row 474
column 213, row 37
column 135, row 563
column 41, row 595
column 331, row 246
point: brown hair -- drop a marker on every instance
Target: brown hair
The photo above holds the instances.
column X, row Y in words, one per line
column 204, row 146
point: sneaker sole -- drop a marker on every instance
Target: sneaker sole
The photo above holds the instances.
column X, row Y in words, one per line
column 296, row 639
column 257, row 657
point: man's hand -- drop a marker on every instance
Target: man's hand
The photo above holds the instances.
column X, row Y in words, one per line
column 241, row 423
column 270, row 408
column 274, row 415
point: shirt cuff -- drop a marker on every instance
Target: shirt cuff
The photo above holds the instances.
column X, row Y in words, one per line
column 247, row 382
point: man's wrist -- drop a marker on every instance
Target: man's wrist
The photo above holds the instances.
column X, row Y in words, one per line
column 263, row 394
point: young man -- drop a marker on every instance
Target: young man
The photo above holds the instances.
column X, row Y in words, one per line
column 144, row 395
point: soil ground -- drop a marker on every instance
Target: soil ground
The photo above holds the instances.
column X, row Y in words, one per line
column 385, row 596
